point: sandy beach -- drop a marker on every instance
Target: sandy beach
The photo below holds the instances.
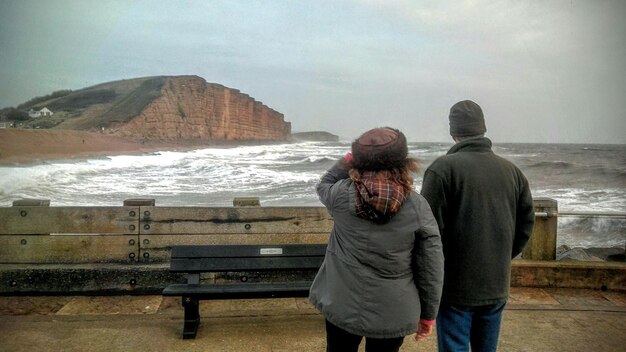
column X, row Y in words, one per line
column 25, row 146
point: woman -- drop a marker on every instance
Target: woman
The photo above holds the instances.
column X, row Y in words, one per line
column 383, row 272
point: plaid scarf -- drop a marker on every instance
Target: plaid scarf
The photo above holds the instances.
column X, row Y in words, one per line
column 378, row 196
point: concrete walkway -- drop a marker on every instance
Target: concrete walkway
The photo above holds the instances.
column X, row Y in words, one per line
column 535, row 320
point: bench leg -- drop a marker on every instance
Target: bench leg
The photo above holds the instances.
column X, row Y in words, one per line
column 192, row 317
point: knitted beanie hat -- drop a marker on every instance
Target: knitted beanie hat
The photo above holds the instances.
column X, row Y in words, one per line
column 379, row 149
column 466, row 119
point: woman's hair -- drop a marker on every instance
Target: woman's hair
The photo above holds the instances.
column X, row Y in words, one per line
column 401, row 175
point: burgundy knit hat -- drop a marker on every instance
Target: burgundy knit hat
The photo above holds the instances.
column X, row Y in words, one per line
column 381, row 148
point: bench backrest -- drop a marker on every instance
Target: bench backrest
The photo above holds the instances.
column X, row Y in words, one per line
column 220, row 258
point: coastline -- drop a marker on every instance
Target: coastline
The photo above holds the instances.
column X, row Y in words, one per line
column 27, row 146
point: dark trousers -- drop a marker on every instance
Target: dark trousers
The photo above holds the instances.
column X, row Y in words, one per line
column 339, row 340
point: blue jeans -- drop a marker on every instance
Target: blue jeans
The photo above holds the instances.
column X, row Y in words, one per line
column 458, row 327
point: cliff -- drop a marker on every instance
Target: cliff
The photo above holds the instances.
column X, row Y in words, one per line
column 189, row 108
column 164, row 108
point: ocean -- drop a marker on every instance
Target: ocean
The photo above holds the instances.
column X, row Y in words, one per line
column 581, row 178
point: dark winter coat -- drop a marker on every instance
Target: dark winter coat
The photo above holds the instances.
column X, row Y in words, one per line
column 484, row 209
column 377, row 280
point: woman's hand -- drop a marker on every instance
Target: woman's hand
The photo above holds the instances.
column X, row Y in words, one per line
column 347, row 160
column 424, row 329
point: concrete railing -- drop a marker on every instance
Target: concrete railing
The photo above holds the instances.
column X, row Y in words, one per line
column 126, row 248
column 542, row 243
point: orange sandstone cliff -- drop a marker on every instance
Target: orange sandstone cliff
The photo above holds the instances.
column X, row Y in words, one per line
column 189, row 108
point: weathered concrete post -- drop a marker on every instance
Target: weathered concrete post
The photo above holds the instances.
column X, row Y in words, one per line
column 31, row 203
column 542, row 244
column 139, row 202
column 246, row 202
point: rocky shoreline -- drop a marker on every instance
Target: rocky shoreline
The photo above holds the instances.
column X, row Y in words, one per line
column 613, row 254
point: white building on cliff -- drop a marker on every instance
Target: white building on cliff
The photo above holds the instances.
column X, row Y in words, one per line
column 37, row 113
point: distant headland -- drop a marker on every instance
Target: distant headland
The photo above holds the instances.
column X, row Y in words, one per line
column 318, row 136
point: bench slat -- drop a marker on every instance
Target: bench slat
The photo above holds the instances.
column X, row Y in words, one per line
column 234, row 251
column 234, row 291
column 245, row 264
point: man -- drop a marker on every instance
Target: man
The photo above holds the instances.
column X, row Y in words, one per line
column 484, row 209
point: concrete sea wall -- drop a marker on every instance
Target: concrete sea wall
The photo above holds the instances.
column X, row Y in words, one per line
column 126, row 249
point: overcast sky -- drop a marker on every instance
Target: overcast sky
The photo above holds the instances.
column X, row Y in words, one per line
column 543, row 71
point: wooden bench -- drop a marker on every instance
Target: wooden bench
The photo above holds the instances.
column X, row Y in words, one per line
column 282, row 258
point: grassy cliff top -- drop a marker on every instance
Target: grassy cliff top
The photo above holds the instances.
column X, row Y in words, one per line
column 97, row 106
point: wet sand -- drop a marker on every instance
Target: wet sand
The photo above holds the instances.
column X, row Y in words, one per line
column 26, row 146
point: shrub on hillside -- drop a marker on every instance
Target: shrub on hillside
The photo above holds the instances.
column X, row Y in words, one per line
column 36, row 100
column 13, row 114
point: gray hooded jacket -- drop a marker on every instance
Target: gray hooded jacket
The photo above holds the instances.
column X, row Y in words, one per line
column 377, row 280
